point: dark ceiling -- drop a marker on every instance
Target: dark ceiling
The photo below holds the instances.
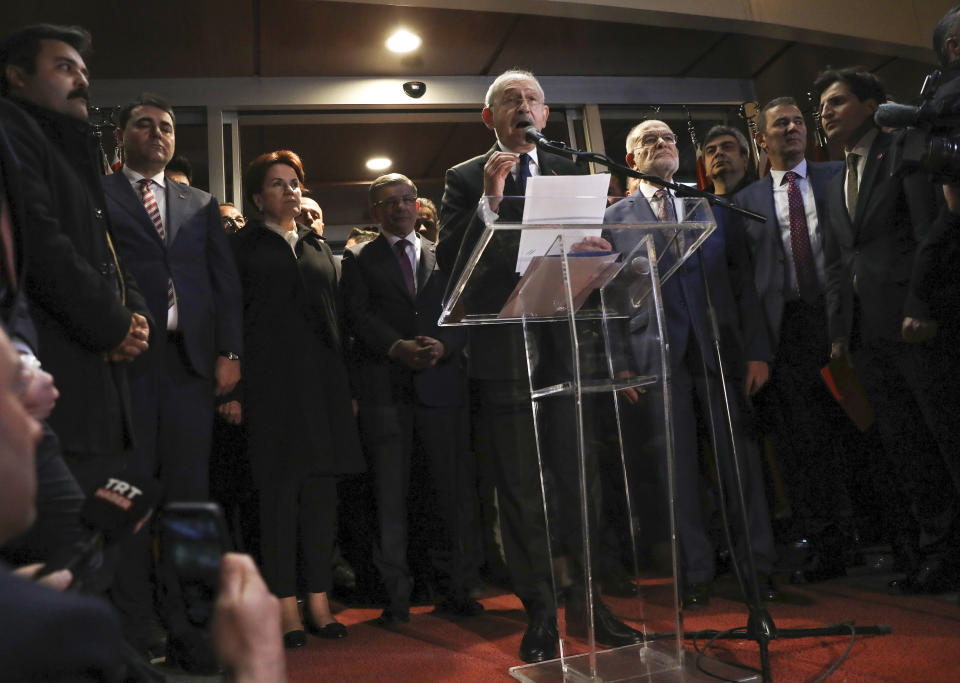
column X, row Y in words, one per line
column 224, row 38
column 227, row 38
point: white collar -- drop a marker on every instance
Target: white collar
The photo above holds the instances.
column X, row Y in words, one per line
column 392, row 239
column 865, row 143
column 134, row 177
column 777, row 176
column 649, row 190
column 290, row 236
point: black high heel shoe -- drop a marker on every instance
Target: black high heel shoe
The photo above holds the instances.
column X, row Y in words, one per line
column 332, row 631
column 294, row 639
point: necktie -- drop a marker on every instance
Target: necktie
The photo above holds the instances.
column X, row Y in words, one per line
column 807, row 285
column 853, row 189
column 405, row 266
column 523, row 172
column 667, row 213
column 150, row 204
column 668, row 210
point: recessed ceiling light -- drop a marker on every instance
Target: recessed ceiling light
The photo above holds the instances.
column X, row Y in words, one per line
column 403, row 40
column 378, row 163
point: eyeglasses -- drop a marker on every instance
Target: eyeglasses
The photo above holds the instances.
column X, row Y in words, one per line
column 651, row 139
column 393, row 202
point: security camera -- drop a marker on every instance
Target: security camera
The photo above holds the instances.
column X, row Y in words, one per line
column 415, row 89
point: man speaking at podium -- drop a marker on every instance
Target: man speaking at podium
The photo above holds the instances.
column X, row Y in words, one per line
column 497, row 358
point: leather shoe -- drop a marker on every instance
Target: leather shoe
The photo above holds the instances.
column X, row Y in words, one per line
column 390, row 616
column 607, row 629
column 460, row 607
column 695, row 595
column 540, row 640
column 294, row 639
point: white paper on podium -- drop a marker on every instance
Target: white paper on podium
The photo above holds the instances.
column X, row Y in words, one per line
column 562, row 199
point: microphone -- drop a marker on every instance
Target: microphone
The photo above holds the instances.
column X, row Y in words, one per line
column 120, row 506
column 890, row 115
column 113, row 511
column 533, row 136
column 640, row 265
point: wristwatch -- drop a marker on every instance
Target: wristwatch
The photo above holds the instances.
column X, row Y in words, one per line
column 229, row 355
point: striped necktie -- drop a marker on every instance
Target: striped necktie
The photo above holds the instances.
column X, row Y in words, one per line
column 153, row 210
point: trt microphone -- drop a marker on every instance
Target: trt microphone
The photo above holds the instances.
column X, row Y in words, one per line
column 114, row 510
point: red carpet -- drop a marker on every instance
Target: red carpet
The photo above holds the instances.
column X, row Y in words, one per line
column 924, row 645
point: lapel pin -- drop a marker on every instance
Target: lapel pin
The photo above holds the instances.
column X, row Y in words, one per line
column 182, row 196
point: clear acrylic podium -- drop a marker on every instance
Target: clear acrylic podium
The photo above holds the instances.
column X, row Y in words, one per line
column 593, row 332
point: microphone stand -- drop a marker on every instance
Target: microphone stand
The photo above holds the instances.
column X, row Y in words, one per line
column 533, row 136
column 760, row 627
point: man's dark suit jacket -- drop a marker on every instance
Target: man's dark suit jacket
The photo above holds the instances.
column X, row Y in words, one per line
column 79, row 302
column 743, row 336
column 765, row 243
column 876, row 252
column 379, row 310
column 496, row 351
column 14, row 310
column 939, row 267
column 198, row 259
column 51, row 636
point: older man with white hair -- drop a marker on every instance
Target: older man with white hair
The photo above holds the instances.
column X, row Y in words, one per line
column 652, row 149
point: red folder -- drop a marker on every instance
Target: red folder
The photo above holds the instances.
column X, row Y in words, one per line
column 848, row 392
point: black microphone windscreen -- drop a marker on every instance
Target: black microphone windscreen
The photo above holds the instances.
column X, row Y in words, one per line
column 890, row 115
column 115, row 507
column 532, row 135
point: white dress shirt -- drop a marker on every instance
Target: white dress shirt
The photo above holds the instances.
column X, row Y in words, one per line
column 159, row 188
column 483, row 210
column 289, row 236
column 649, row 191
column 863, row 149
column 782, row 205
column 412, row 254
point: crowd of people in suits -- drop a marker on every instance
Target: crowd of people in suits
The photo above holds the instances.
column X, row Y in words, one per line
column 163, row 335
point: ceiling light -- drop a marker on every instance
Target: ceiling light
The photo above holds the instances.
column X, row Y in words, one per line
column 378, row 163
column 402, row 41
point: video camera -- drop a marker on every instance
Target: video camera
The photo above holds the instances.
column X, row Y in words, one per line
column 931, row 139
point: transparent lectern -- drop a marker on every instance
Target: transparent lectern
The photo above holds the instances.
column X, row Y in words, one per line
column 595, row 344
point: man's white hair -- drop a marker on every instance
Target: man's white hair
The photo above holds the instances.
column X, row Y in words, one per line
column 634, row 133
column 499, row 83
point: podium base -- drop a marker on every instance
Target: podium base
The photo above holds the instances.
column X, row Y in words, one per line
column 652, row 663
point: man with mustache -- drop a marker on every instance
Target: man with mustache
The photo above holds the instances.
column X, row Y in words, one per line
column 725, row 153
column 91, row 319
column 808, row 426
